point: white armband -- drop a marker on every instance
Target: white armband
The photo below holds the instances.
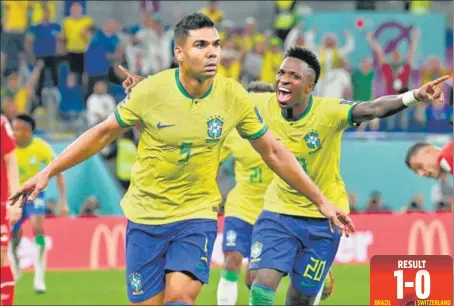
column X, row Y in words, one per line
column 408, row 98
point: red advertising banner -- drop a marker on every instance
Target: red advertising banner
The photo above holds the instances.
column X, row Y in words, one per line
column 98, row 243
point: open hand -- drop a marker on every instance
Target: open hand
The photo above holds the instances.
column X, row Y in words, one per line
column 30, row 190
column 337, row 218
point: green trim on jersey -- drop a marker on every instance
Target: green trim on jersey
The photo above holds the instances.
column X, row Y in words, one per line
column 183, row 90
column 258, row 134
column 349, row 116
column 303, row 114
column 119, row 120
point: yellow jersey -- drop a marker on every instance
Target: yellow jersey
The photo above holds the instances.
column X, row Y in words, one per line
column 31, row 158
column 73, row 30
column 216, row 16
column 174, row 176
column 15, row 17
column 38, row 11
column 252, row 177
column 234, row 71
column 315, row 140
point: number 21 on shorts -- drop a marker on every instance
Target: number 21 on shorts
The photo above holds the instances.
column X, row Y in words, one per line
column 411, row 280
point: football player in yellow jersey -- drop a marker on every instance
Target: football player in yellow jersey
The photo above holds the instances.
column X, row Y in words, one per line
column 32, row 153
column 242, row 207
column 171, row 205
column 290, row 236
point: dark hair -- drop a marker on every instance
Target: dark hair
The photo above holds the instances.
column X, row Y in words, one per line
column 306, row 56
column 260, row 87
column 194, row 21
column 413, row 150
column 28, row 119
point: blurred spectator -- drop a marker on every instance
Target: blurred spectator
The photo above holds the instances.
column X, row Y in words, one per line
column 353, row 202
column 253, row 63
column 126, row 156
column 42, row 43
column 250, row 36
column 337, row 83
column 149, row 6
column 104, row 52
column 300, row 38
column 396, row 73
column 72, row 101
column 375, row 203
column 100, row 104
column 437, row 117
column 417, row 6
column 39, row 8
column 229, row 65
column 20, row 95
column 90, row 207
column 443, row 193
column 362, row 87
column 214, row 12
column 416, row 204
column 285, row 17
column 68, row 4
column 155, row 54
column 272, row 61
column 76, row 32
column 227, row 29
column 14, row 26
column 51, row 208
column 330, row 54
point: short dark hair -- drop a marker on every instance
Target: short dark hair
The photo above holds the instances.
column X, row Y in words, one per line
column 306, row 56
column 413, row 150
column 194, row 21
column 258, row 86
column 27, row 119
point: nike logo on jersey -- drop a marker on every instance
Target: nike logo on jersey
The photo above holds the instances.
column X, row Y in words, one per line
column 163, row 126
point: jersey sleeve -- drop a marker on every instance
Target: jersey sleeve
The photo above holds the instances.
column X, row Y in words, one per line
column 7, row 139
column 251, row 124
column 340, row 111
column 130, row 111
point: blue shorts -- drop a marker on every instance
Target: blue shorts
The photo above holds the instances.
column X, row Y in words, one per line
column 35, row 208
column 154, row 250
column 237, row 236
column 302, row 247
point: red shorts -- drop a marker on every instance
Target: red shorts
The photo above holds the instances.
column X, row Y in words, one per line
column 4, row 226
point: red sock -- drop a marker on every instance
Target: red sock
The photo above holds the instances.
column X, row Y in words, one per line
column 7, row 286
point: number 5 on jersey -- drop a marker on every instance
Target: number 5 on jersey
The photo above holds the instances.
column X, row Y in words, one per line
column 185, row 150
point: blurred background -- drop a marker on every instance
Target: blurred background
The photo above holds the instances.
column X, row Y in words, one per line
column 59, row 63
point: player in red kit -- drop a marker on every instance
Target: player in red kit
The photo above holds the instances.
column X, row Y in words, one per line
column 9, row 215
column 430, row 161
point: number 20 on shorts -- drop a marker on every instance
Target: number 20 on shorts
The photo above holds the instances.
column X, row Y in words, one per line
column 411, row 280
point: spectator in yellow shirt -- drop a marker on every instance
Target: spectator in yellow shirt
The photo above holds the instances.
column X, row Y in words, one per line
column 272, row 60
column 230, row 66
column 214, row 12
column 15, row 97
column 250, row 35
column 76, row 33
column 15, row 24
column 38, row 8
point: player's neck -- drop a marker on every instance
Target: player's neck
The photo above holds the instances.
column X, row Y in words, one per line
column 194, row 87
column 25, row 143
column 297, row 112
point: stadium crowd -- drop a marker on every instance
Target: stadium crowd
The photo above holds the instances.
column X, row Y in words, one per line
column 56, row 55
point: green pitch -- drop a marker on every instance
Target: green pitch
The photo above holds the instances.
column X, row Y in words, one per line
column 351, row 287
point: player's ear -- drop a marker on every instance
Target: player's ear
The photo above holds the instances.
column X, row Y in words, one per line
column 309, row 88
column 178, row 51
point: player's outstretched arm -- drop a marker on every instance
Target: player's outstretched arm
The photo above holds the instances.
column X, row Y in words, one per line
column 87, row 145
column 284, row 164
column 389, row 105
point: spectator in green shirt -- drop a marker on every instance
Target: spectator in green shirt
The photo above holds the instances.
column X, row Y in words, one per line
column 362, row 85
